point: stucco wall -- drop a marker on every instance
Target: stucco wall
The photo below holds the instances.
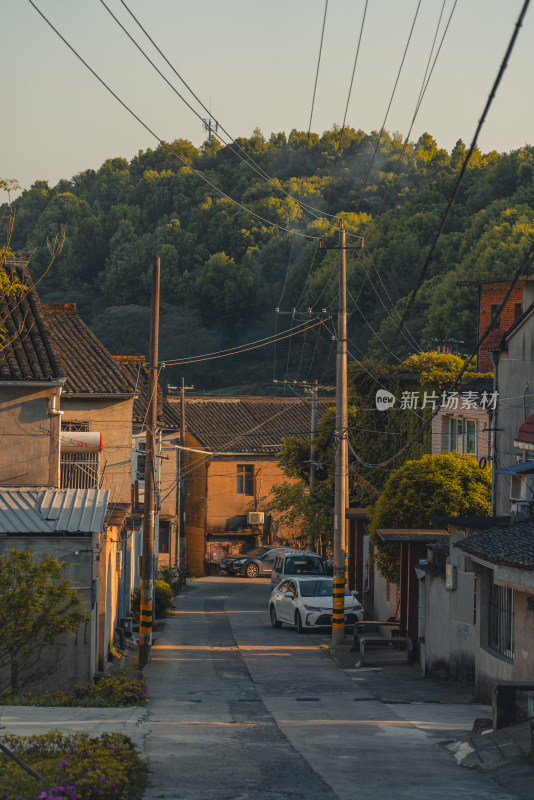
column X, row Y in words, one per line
column 112, row 418
column 29, row 435
column 515, row 376
column 77, row 657
column 524, row 636
column 437, row 620
column 385, row 597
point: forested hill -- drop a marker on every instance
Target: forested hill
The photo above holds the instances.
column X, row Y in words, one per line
column 224, row 270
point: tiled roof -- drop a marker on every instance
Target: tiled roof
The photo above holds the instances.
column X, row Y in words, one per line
column 510, row 546
column 494, row 340
column 27, row 352
column 137, row 371
column 246, row 424
column 87, row 365
column 525, row 433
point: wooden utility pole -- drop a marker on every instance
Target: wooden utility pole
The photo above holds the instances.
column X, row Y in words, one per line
column 341, row 462
column 147, row 568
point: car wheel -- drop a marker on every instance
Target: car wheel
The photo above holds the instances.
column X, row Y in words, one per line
column 275, row 622
column 298, row 623
column 252, row 571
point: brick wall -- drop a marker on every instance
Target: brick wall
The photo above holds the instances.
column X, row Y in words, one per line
column 493, row 294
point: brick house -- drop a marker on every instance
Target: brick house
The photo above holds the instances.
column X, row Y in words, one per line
column 491, row 294
column 230, row 469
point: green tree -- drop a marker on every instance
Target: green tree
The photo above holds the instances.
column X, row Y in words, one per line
column 38, row 607
column 450, row 484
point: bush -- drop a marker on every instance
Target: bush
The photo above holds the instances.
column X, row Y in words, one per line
column 75, row 767
column 163, row 596
column 171, row 576
column 107, row 693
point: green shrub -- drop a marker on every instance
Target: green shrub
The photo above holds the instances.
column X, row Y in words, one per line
column 169, row 575
column 75, row 767
column 164, row 598
column 107, row 693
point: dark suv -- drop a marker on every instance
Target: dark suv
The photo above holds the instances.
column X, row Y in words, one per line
column 258, row 561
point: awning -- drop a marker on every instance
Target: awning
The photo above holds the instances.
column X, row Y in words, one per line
column 422, row 535
column 523, row 468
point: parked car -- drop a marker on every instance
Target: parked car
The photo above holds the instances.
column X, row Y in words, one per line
column 307, row 603
column 253, row 563
column 296, row 562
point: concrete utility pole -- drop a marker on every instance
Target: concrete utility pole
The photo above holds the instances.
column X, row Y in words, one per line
column 147, row 568
column 341, row 462
column 313, row 392
column 181, row 473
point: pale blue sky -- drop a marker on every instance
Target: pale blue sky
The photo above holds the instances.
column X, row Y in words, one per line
column 255, row 62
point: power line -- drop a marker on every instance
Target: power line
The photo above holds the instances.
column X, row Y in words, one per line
column 242, row 348
column 393, row 92
column 239, row 152
column 455, row 382
column 467, row 158
column 161, row 141
column 315, row 88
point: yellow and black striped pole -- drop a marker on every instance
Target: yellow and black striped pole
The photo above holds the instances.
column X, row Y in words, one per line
column 341, row 468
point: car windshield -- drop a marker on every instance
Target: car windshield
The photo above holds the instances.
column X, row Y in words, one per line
column 257, row 551
column 299, row 565
column 322, row 588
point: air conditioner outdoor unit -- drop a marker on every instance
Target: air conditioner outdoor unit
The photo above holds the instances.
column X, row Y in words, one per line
column 255, row 517
column 520, row 510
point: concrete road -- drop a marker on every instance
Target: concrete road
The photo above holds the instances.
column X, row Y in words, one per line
column 239, row 710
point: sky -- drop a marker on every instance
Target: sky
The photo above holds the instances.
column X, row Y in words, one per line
column 254, row 64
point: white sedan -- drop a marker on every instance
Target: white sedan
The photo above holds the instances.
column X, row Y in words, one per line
column 307, row 602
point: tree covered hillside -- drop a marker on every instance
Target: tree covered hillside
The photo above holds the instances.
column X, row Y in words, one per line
column 224, row 269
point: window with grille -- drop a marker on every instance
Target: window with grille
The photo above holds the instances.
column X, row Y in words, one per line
column 78, row 470
column 245, row 474
column 501, row 620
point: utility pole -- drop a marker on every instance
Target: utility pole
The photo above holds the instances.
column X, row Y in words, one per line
column 313, row 392
column 341, row 461
column 181, row 471
column 147, row 567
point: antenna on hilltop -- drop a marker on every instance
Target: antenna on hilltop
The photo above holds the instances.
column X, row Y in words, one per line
column 210, row 125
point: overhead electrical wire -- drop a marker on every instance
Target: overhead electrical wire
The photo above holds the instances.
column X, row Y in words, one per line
column 306, row 326
column 463, row 169
column 394, row 90
column 315, row 88
column 239, row 152
column 456, row 380
column 161, row 141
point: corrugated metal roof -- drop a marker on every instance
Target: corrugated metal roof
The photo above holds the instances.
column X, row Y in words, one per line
column 50, row 511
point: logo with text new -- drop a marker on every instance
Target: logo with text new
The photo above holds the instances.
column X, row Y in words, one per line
column 384, row 400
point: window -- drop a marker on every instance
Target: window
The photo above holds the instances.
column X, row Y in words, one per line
column 518, row 310
column 164, row 537
column 501, row 620
column 463, row 436
column 141, row 461
column 78, row 470
column 245, row 473
column 67, row 425
column 493, row 311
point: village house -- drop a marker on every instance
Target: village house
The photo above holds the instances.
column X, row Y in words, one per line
column 66, row 421
column 230, row 467
column 479, row 588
